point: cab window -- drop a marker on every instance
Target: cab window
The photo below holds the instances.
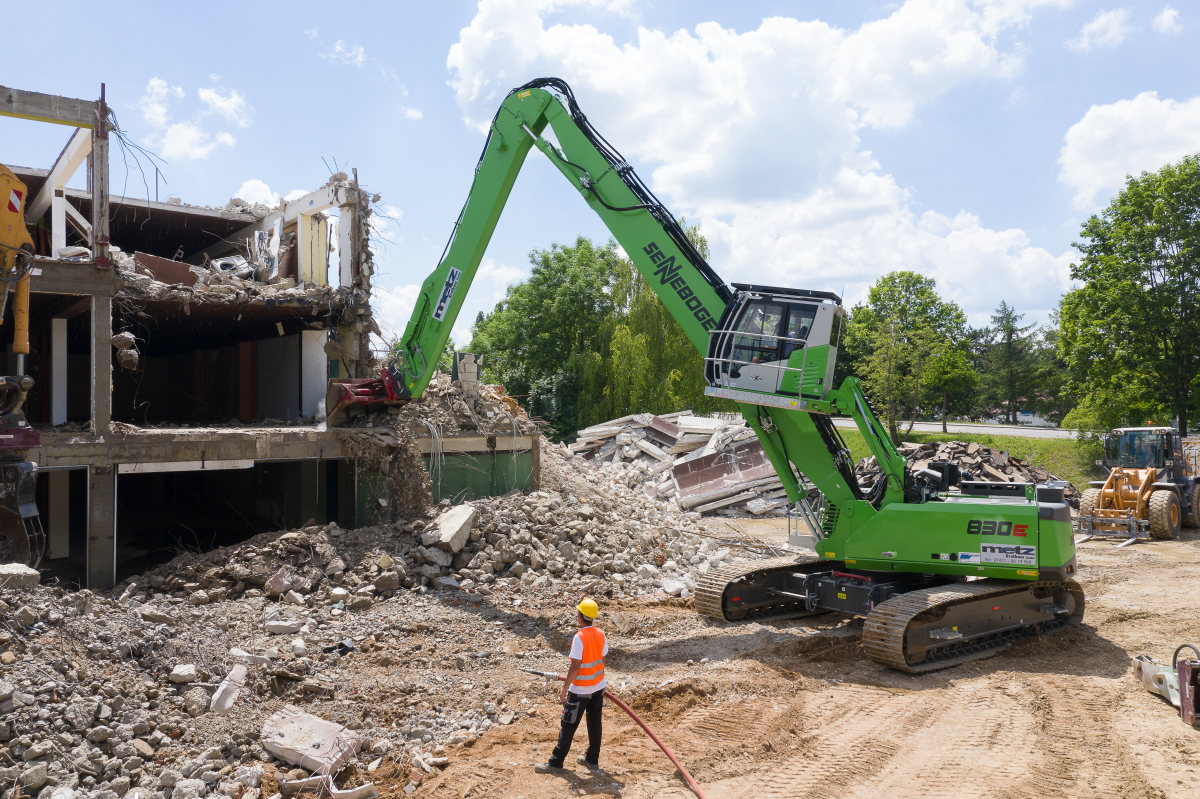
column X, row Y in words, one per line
column 758, row 331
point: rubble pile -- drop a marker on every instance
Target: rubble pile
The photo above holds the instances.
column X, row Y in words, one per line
column 148, row 695
column 982, row 463
column 222, row 287
column 448, row 409
column 662, row 456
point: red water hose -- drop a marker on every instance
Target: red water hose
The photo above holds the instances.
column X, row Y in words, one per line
column 670, row 755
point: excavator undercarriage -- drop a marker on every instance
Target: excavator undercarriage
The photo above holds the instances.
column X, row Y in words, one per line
column 914, row 623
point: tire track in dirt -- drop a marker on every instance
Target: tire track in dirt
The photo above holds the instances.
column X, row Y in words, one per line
column 1080, row 757
column 851, row 734
column 982, row 738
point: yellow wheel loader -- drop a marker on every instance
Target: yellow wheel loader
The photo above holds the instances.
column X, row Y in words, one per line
column 1151, row 487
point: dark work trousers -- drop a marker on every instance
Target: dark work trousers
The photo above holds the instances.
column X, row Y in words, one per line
column 573, row 711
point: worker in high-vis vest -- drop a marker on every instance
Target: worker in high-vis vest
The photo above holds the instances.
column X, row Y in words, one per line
column 583, row 691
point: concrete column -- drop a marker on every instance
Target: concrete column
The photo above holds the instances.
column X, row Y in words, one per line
column 314, row 371
column 59, row 518
column 101, row 364
column 58, row 371
column 58, row 222
column 98, row 163
column 102, row 527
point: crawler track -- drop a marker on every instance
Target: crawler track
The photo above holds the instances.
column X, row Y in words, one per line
column 711, row 591
column 886, row 632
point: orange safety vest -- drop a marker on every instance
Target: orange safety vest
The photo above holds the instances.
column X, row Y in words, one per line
column 592, row 670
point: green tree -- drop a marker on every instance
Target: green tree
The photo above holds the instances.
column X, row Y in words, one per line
column 1009, row 374
column 1131, row 332
column 892, row 338
column 949, row 373
column 592, row 341
column 546, row 321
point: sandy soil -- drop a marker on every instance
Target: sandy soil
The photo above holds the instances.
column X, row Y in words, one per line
column 794, row 709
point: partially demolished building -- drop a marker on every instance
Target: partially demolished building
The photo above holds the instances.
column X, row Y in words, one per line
column 182, row 356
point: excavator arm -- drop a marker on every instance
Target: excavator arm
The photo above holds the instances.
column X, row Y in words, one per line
column 689, row 288
column 692, row 292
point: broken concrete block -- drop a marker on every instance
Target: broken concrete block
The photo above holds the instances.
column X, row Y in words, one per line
column 283, row 626
column 674, row 587
column 308, row 741
column 246, row 657
column 196, row 701
column 227, row 692
column 293, row 597
column 437, row 557
column 338, row 595
column 25, row 616
column 184, row 673
column 18, row 576
column 452, row 529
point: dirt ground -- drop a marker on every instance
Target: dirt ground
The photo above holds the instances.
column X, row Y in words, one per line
column 794, row 708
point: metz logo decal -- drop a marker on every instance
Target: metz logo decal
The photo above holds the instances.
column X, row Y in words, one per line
column 1015, row 555
column 439, row 312
column 667, row 272
column 979, row 527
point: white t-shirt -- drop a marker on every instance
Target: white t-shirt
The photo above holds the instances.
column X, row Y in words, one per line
column 577, row 654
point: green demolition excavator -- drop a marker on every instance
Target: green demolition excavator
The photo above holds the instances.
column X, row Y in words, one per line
column 941, row 577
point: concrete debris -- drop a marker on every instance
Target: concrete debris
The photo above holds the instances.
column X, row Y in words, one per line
column 710, row 466
column 18, row 576
column 308, row 741
column 184, row 673
column 124, row 341
column 448, row 407
column 982, row 463
column 449, row 530
column 227, row 692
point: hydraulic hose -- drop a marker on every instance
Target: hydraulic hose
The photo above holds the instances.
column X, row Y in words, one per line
column 670, row 755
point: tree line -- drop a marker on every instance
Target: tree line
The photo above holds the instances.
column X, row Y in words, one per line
column 585, row 339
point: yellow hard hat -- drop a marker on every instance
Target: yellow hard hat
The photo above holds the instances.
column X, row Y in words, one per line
column 588, row 608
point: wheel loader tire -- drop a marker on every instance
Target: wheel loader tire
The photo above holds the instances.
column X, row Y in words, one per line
column 1089, row 501
column 1166, row 516
column 1191, row 518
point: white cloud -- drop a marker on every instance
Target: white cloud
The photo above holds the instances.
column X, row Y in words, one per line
column 1167, row 21
column 232, row 106
column 340, row 54
column 189, row 140
column 413, row 113
column 1106, row 29
column 391, row 309
column 256, row 191
column 1126, row 137
column 295, row 194
column 311, row 32
column 154, row 102
column 756, row 135
column 386, row 220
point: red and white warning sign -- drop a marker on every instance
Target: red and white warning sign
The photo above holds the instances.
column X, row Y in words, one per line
column 14, row 201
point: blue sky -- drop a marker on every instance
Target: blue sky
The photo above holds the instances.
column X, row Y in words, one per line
column 819, row 144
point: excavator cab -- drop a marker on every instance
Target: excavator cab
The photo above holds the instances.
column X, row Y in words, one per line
column 775, row 341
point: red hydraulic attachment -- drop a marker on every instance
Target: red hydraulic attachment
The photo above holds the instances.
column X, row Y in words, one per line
column 691, row 782
column 371, row 392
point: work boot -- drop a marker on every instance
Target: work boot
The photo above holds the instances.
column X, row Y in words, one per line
column 583, row 761
column 548, row 768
